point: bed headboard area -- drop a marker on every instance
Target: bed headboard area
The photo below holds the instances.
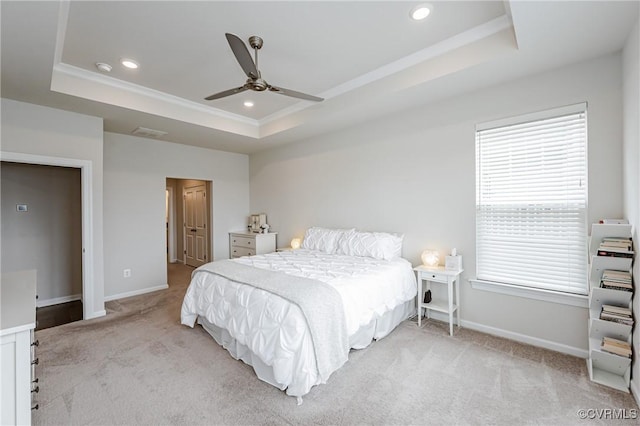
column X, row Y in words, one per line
column 379, row 245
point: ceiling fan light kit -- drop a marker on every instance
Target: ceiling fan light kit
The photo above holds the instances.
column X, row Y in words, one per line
column 254, row 81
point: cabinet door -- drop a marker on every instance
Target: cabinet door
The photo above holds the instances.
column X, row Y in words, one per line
column 16, row 378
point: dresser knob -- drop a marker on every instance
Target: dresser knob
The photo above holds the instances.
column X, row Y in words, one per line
column 36, row 343
column 35, row 407
column 36, row 389
column 34, row 362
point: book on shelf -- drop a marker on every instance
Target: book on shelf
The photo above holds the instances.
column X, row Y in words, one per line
column 616, row 285
column 614, row 252
column 616, row 309
column 617, row 347
column 617, row 314
column 623, row 245
column 616, row 280
column 613, row 274
column 620, row 319
column 616, row 247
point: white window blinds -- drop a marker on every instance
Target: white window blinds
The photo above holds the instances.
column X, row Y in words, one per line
column 531, row 200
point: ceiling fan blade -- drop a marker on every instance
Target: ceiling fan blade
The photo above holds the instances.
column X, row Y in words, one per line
column 227, row 93
column 242, row 55
column 294, row 94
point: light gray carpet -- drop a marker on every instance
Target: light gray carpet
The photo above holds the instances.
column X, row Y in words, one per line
column 138, row 365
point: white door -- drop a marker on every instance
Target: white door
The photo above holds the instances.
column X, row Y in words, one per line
column 195, row 226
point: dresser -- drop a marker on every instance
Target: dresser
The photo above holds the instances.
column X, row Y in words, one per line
column 245, row 243
column 17, row 322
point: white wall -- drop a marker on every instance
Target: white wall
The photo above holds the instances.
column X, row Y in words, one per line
column 33, row 130
column 631, row 103
column 135, row 175
column 414, row 173
column 48, row 236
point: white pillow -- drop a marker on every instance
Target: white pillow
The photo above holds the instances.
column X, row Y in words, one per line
column 379, row 245
column 323, row 239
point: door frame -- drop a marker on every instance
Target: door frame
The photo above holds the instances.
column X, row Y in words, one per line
column 172, row 225
column 86, row 190
column 207, row 215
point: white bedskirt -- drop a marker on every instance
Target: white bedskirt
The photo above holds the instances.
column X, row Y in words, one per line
column 299, row 385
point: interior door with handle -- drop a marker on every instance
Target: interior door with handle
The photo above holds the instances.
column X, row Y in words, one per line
column 195, row 225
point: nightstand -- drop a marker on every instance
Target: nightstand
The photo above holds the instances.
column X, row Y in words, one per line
column 250, row 243
column 439, row 274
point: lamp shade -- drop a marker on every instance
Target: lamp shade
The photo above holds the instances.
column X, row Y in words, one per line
column 295, row 243
column 430, row 258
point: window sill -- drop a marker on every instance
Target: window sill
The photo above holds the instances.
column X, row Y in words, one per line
column 532, row 293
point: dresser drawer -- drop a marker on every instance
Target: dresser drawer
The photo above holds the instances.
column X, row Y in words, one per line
column 242, row 251
column 434, row 276
column 246, row 242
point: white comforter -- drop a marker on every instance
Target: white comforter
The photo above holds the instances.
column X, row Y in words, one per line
column 274, row 329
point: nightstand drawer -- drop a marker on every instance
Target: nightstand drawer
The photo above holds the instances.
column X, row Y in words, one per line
column 246, row 242
column 242, row 251
column 434, row 276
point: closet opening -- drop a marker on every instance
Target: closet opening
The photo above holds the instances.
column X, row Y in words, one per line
column 42, row 230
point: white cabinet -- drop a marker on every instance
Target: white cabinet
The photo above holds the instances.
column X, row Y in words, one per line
column 607, row 368
column 17, row 320
column 250, row 243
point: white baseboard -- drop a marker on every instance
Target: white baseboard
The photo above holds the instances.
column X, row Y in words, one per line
column 57, row 300
column 518, row 337
column 135, row 292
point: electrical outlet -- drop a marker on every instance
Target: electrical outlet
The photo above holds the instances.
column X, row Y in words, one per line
column 126, row 273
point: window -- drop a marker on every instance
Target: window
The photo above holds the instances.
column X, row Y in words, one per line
column 531, row 201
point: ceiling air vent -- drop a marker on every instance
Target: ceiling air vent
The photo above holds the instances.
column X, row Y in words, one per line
column 148, row 133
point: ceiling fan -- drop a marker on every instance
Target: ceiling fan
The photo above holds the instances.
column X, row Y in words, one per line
column 254, row 81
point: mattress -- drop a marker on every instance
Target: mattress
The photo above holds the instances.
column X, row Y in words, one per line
column 274, row 330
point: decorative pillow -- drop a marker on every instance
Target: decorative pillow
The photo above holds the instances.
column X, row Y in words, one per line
column 379, row 245
column 323, row 239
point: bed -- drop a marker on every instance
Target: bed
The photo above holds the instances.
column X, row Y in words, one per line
column 294, row 315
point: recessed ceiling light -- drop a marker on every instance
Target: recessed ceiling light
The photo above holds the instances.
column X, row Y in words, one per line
column 103, row 67
column 248, row 104
column 421, row 11
column 129, row 63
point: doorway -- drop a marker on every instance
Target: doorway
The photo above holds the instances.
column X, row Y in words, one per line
column 42, row 230
column 89, row 305
column 188, row 211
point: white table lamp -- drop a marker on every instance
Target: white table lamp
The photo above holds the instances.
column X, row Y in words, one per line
column 295, row 243
column 430, row 258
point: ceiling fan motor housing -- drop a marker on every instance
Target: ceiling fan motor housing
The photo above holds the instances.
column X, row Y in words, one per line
column 255, row 42
column 258, row 84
